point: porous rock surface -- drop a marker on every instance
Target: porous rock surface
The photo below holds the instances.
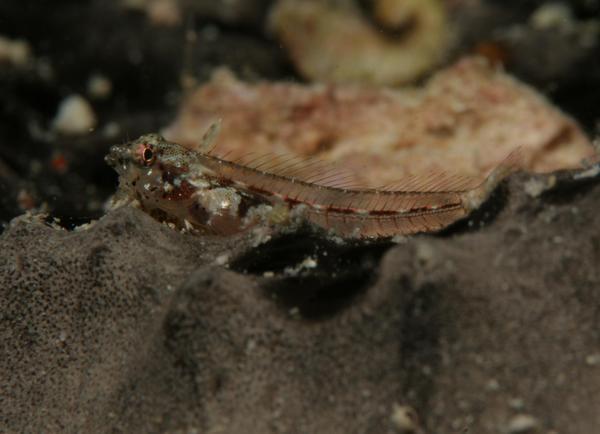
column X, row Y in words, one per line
column 129, row 326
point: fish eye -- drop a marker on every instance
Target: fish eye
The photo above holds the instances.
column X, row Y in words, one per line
column 148, row 155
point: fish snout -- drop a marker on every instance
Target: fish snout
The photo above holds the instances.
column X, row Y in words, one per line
column 117, row 157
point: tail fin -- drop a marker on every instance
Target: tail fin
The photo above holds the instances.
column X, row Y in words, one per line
column 473, row 199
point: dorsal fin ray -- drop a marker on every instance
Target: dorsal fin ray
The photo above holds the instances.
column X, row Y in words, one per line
column 295, row 168
column 433, row 181
column 208, row 142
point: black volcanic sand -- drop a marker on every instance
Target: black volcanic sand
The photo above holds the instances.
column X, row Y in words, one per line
column 128, row 326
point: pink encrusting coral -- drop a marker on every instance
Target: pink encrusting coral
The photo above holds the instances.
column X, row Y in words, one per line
column 465, row 120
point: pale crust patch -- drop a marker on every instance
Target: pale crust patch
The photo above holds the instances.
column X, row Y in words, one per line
column 464, row 121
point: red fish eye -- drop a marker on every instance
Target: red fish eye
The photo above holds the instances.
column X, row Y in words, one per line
column 148, row 155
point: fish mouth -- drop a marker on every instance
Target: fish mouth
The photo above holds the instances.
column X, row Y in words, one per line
column 118, row 158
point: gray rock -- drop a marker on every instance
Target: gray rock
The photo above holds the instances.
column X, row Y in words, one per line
column 129, row 326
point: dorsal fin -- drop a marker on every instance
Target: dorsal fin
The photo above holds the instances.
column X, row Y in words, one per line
column 434, row 181
column 209, row 139
column 298, row 168
column 442, row 181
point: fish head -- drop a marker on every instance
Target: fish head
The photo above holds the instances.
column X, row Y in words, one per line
column 151, row 169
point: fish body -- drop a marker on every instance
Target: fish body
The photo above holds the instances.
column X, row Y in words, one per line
column 203, row 192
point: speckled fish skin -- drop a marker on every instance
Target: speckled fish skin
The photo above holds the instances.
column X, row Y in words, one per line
column 201, row 192
column 175, row 185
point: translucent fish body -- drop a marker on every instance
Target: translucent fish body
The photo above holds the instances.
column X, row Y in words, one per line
column 203, row 192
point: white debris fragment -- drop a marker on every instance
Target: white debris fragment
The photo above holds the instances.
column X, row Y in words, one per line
column 164, row 12
column 516, row 403
column 425, row 254
column 99, row 87
column 593, row 359
column 306, row 264
column 220, row 201
column 309, row 263
column 589, row 173
column 15, row 52
column 294, row 312
column 404, row 419
column 190, row 227
column 400, row 239
column 260, row 235
column 222, row 259
column 492, row 385
column 523, row 424
column 535, row 187
column 75, row 116
column 84, row 226
column 552, row 15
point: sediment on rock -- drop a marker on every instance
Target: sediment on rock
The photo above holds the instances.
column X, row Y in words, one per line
column 130, row 326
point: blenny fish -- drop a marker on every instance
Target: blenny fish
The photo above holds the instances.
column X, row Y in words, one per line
column 201, row 191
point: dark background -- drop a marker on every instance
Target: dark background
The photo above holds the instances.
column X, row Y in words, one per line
column 144, row 62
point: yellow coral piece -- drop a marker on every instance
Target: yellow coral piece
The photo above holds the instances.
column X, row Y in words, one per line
column 338, row 43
